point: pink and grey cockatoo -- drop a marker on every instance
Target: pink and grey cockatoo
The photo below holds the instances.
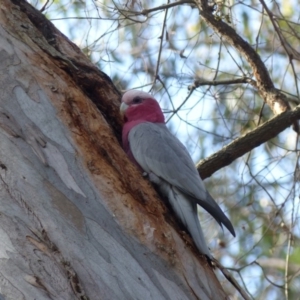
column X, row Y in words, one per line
column 149, row 144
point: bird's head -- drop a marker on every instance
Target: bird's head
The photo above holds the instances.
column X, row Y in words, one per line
column 138, row 105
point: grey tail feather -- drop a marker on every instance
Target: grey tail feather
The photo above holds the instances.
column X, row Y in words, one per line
column 197, row 234
column 186, row 210
column 217, row 213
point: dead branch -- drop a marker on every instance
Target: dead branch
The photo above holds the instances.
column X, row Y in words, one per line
column 246, row 143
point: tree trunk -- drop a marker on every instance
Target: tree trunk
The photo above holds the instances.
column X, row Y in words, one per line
column 77, row 220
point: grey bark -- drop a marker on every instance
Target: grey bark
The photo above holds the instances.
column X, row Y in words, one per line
column 77, row 220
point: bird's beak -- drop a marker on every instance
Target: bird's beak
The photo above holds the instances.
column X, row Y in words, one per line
column 123, row 108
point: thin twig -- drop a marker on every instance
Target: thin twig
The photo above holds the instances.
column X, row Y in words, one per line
column 166, row 90
column 165, row 6
column 266, row 277
column 125, row 14
column 44, row 6
column 218, row 61
column 287, row 47
column 160, row 47
column 260, row 114
column 200, row 82
column 290, row 235
column 231, row 279
column 179, row 107
column 259, row 30
column 286, row 269
column 145, row 12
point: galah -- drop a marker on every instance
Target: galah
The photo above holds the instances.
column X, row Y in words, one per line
column 151, row 146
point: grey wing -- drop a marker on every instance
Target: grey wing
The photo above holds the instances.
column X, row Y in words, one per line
column 158, row 151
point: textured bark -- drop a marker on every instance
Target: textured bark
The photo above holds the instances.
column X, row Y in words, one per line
column 77, row 220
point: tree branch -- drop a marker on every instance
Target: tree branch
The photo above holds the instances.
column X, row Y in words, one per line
column 160, row 47
column 277, row 101
column 165, row 6
column 246, row 143
column 201, row 82
column 231, row 279
column 290, row 51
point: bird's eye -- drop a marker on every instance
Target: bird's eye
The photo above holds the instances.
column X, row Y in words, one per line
column 137, row 100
